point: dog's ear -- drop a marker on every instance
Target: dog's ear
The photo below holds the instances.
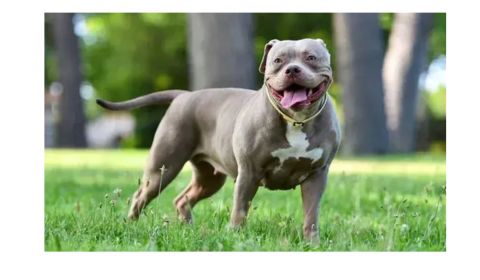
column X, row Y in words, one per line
column 327, row 54
column 322, row 42
column 266, row 50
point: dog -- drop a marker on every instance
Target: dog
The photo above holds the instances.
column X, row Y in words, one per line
column 283, row 135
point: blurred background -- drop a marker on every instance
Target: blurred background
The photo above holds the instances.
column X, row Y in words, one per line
column 389, row 72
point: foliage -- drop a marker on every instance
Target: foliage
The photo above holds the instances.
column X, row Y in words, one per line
column 438, row 37
column 127, row 55
column 437, row 103
column 394, row 203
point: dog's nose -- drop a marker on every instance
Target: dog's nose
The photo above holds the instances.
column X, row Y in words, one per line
column 292, row 70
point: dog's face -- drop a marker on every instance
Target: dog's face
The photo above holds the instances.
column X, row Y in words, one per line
column 297, row 73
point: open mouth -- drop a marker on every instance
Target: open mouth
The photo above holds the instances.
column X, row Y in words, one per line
column 299, row 96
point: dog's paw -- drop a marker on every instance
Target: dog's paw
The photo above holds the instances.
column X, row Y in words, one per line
column 312, row 237
column 233, row 227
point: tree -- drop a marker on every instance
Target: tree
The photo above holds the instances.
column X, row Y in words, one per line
column 71, row 127
column 359, row 49
column 404, row 61
column 221, row 50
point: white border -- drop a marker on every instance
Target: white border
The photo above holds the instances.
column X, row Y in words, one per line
column 22, row 154
column 244, row 6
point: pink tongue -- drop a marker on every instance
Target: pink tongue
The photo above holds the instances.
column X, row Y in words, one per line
column 292, row 97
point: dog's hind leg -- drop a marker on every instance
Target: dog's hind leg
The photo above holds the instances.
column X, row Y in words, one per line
column 205, row 182
column 171, row 148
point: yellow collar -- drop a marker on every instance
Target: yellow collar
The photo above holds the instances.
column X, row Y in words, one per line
column 290, row 119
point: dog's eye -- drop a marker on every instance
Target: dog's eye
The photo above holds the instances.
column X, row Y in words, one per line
column 277, row 60
column 311, row 58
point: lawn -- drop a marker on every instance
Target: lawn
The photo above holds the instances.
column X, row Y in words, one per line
column 389, row 203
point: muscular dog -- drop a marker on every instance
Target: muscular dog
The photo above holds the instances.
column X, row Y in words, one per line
column 283, row 135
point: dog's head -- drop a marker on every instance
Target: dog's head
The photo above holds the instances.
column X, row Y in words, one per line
column 297, row 73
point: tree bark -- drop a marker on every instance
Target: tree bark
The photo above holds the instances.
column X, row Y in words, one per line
column 359, row 49
column 403, row 64
column 221, row 50
column 71, row 127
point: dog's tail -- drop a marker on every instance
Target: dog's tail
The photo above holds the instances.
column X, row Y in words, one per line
column 156, row 98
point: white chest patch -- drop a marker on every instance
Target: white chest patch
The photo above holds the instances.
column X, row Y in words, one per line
column 298, row 142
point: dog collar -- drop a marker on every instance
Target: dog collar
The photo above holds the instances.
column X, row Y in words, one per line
column 291, row 119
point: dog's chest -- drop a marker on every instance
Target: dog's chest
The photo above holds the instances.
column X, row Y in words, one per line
column 294, row 163
column 298, row 147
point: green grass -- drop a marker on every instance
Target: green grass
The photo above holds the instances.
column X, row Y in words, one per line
column 394, row 203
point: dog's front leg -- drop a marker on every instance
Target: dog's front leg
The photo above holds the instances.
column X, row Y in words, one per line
column 245, row 189
column 312, row 190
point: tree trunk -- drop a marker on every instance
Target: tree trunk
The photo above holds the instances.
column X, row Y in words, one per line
column 221, row 51
column 359, row 57
column 71, row 127
column 404, row 61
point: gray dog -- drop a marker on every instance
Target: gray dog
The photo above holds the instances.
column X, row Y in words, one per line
column 283, row 135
